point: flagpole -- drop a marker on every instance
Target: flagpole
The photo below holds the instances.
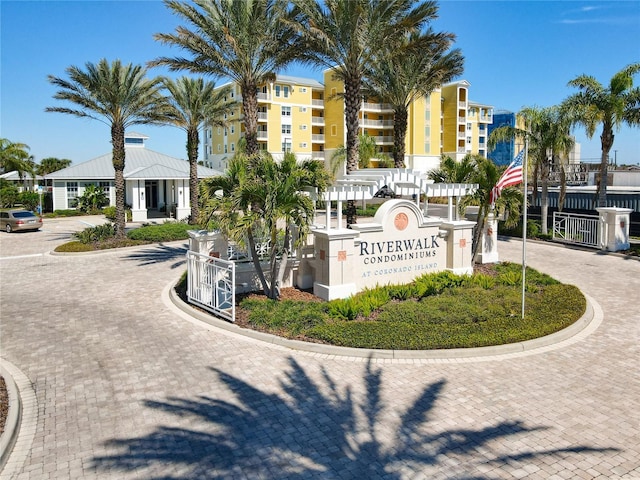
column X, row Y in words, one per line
column 524, row 220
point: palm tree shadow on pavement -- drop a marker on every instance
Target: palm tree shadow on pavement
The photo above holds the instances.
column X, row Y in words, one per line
column 311, row 430
column 160, row 253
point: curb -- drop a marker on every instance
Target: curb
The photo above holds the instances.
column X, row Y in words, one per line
column 581, row 328
column 12, row 425
column 22, row 420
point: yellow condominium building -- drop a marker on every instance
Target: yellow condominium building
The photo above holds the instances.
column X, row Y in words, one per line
column 307, row 117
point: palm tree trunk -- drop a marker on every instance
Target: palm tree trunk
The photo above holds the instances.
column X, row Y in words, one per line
column 399, row 135
column 250, row 108
column 192, row 151
column 352, row 104
column 118, row 159
column 256, row 264
column 544, row 197
column 606, row 140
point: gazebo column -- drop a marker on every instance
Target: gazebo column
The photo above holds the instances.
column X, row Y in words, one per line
column 339, row 214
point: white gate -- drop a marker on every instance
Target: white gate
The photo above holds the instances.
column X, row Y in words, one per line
column 211, row 284
column 577, row 229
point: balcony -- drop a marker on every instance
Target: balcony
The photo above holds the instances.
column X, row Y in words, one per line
column 317, row 138
column 462, row 104
column 376, row 123
column 377, row 107
column 317, row 103
column 262, row 135
column 381, row 140
column 262, row 116
column 317, row 120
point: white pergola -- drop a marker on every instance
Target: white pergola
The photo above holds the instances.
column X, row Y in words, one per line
column 365, row 183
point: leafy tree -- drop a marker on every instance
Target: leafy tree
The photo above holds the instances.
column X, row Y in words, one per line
column 547, row 133
column 195, row 103
column 29, row 200
column 9, row 193
column 245, row 41
column 51, row 164
column 92, row 199
column 609, row 106
column 15, row 157
column 119, row 96
column 258, row 194
column 345, row 35
column 409, row 70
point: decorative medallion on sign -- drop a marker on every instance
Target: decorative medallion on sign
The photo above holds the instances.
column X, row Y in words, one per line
column 401, row 221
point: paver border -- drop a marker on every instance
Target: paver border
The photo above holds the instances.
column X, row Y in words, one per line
column 22, row 420
column 580, row 329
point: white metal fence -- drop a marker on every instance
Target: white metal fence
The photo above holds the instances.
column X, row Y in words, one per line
column 576, row 229
column 211, row 284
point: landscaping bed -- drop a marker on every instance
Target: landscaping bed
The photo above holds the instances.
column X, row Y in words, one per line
column 437, row 311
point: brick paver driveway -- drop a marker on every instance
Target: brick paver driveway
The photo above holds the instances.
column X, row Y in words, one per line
column 126, row 388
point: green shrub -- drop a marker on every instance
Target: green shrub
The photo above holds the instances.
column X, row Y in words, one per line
column 165, row 232
column 29, row 200
column 74, row 247
column 98, row 233
column 92, row 199
column 486, row 282
column 344, row 308
column 403, row 292
column 110, row 213
column 287, row 317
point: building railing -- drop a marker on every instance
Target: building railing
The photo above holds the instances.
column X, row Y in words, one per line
column 262, row 135
column 317, row 138
column 576, row 229
column 262, row 116
column 377, row 107
column 365, row 122
column 317, row 120
column 317, row 103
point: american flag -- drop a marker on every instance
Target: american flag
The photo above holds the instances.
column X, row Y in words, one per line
column 511, row 176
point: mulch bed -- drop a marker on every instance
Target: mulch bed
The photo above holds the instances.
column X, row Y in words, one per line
column 4, row 404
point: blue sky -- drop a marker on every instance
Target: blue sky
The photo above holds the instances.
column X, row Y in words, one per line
column 517, row 53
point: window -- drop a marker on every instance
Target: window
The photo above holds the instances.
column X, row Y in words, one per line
column 286, row 146
column 468, row 126
column 334, row 92
column 233, row 129
column 286, row 129
column 303, row 109
column 303, row 145
column 303, row 127
column 286, row 111
column 219, row 130
column 226, row 149
column 208, row 133
column 427, row 115
column 303, row 89
column 233, row 147
column 72, row 194
column 427, row 147
column 106, row 188
column 133, row 141
column 285, row 90
column 468, row 139
column 219, row 148
column 277, row 90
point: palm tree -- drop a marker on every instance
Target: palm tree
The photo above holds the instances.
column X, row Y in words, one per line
column 611, row 106
column 119, row 96
column 344, row 35
column 367, row 150
column 51, row 164
column 245, row 41
column 479, row 170
column 546, row 132
column 410, row 70
column 195, row 103
column 258, row 194
column 15, row 157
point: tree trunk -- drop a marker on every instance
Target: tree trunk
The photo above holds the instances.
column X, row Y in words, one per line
column 352, row 104
column 250, row 110
column 118, row 159
column 192, row 152
column 544, row 197
column 563, row 186
column 399, row 135
column 480, row 221
column 606, row 140
column 256, row 264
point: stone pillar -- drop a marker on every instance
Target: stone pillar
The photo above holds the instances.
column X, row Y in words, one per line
column 614, row 228
column 335, row 267
column 488, row 252
column 204, row 242
column 138, row 207
column 459, row 235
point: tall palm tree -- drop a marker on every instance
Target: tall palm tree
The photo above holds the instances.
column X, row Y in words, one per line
column 15, row 157
column 546, row 131
column 344, row 35
column 246, row 41
column 258, row 194
column 195, row 103
column 410, row 70
column 613, row 105
column 119, row 96
column 51, row 164
column 367, row 150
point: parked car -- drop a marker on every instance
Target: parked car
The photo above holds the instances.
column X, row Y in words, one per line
column 19, row 219
column 385, row 192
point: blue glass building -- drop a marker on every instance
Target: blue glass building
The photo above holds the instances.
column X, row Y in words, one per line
column 504, row 152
